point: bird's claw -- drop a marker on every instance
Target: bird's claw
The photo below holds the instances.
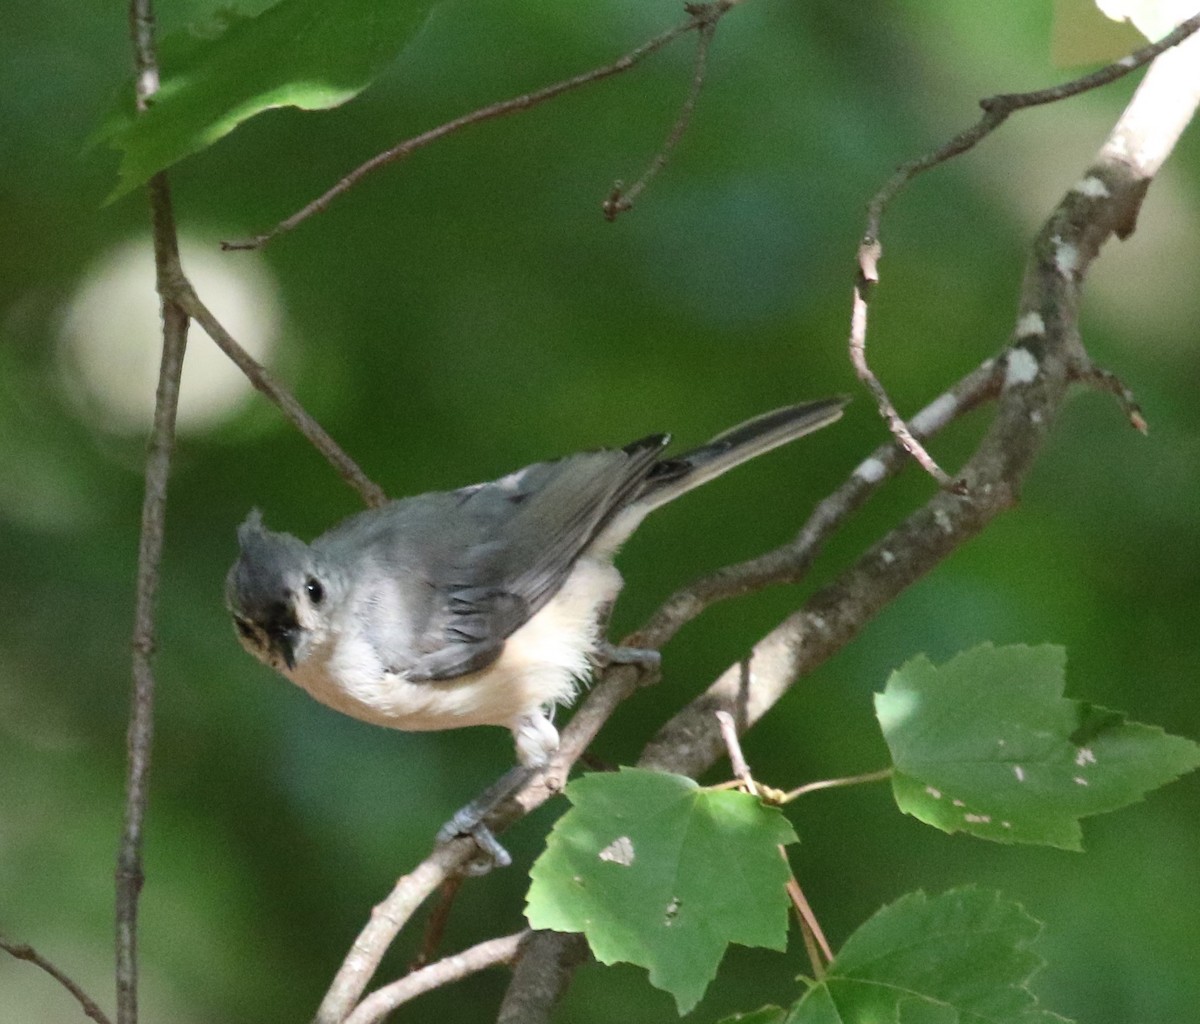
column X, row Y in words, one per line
column 490, row 853
column 646, row 660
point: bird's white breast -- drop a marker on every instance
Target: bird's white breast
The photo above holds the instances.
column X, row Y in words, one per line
column 539, row 666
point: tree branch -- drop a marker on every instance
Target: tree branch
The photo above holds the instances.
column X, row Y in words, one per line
column 996, row 110
column 25, row 952
column 447, row 970
column 701, row 17
column 183, row 293
column 620, row 198
column 153, row 525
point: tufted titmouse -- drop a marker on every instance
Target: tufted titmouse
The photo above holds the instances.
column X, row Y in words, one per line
column 479, row 606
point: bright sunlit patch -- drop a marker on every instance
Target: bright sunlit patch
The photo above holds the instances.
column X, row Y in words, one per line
column 895, row 710
column 111, row 336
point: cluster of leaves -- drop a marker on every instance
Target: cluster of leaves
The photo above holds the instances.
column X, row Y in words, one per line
column 660, row 872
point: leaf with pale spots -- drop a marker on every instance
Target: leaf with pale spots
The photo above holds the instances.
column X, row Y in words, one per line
column 657, row 871
column 987, row 744
column 959, row 958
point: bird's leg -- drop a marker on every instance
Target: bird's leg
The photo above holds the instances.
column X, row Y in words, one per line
column 646, row 660
column 469, row 820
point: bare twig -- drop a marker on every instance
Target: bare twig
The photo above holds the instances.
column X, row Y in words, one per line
column 371, row 493
column 435, row 927
column 733, row 747
column 620, row 198
column 811, row 949
column 455, row 967
column 996, row 110
column 698, row 19
column 1106, row 380
column 868, row 275
column 815, row 942
column 26, row 952
column 153, row 527
column 386, row 921
column 814, row 938
column 790, row 563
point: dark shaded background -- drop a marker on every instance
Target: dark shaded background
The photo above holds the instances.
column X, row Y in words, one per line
column 471, row 311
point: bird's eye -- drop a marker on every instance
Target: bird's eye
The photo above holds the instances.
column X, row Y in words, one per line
column 244, row 628
column 316, row 592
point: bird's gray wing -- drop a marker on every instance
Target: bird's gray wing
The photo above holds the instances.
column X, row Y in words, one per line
column 487, row 558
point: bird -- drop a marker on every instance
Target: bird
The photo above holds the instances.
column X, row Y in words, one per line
column 476, row 606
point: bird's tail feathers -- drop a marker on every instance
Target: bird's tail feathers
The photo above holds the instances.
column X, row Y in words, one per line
column 678, row 474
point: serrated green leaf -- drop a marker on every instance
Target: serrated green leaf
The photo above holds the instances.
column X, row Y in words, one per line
column 300, row 53
column 958, row 958
column 987, row 744
column 658, row 872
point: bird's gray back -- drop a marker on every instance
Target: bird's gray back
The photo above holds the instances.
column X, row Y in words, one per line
column 469, row 567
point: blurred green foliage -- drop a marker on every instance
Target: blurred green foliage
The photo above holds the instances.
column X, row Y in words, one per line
column 469, row 311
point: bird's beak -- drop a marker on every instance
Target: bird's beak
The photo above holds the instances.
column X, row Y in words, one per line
column 283, row 644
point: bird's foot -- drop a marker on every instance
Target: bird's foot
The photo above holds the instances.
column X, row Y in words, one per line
column 490, row 853
column 470, row 821
column 646, row 660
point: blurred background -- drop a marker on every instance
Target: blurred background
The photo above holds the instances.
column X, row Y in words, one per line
column 470, row 311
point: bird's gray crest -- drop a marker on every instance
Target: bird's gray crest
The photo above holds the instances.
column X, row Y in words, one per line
column 268, row 565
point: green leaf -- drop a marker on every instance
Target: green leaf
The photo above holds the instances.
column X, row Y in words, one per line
column 987, row 744
column 658, row 872
column 311, row 54
column 958, row 958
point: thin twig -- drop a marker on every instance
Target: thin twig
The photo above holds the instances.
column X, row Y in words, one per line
column 371, row 493
column 526, row 101
column 996, row 110
column 23, row 951
column 387, row 918
column 868, row 275
column 1106, row 380
column 811, row 949
column 139, row 740
column 620, row 198
column 814, row 938
column 810, row 925
column 790, row 563
column 435, row 927
column 455, row 967
column 733, row 746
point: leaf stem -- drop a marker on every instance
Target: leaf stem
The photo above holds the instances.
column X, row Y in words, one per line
column 849, row 780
